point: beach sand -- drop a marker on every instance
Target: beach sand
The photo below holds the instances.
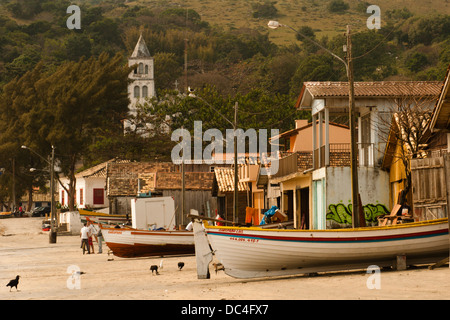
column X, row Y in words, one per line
column 45, row 270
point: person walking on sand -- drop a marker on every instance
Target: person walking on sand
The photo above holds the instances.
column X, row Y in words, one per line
column 90, row 234
column 99, row 238
column 84, row 234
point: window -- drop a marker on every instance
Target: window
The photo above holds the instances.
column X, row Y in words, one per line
column 146, row 69
column 141, row 68
column 81, row 196
column 366, row 145
column 144, row 91
column 136, row 91
column 99, row 196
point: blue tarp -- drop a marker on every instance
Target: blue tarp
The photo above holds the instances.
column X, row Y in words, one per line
column 268, row 214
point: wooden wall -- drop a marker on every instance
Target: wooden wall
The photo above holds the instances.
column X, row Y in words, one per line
column 429, row 188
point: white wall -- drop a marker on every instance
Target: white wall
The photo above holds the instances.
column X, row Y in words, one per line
column 88, row 185
column 373, row 188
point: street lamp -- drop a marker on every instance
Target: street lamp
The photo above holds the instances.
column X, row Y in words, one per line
column 51, row 163
column 352, row 121
column 234, row 125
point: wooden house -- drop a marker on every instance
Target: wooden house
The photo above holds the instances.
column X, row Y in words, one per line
column 128, row 180
column 428, row 174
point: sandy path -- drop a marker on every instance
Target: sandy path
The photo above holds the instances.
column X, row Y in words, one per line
column 43, row 267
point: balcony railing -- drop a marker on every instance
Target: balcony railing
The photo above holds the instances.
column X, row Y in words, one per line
column 290, row 163
column 339, row 156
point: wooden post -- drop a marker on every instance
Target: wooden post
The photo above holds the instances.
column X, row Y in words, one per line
column 447, row 180
column 352, row 121
column 362, row 217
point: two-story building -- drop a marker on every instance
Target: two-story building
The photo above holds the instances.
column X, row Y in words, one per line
column 294, row 179
column 375, row 102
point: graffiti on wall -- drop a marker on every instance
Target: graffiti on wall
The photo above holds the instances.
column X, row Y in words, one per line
column 342, row 214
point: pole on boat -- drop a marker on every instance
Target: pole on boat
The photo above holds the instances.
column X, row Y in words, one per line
column 203, row 254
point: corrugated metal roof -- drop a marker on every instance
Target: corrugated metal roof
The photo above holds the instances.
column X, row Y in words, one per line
column 225, row 180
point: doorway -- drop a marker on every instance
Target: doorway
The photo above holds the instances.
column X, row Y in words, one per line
column 304, row 208
column 289, row 204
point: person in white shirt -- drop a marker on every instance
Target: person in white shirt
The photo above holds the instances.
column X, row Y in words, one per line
column 84, row 234
column 90, row 235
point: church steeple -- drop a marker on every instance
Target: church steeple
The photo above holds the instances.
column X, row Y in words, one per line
column 141, row 50
column 142, row 83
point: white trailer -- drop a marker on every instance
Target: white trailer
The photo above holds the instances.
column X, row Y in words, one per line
column 153, row 213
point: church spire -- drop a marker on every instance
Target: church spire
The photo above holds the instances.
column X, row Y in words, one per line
column 141, row 49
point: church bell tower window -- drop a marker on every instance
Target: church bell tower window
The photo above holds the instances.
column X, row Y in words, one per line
column 144, row 91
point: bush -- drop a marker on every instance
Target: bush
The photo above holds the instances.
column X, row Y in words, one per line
column 416, row 62
column 338, row 6
column 264, row 10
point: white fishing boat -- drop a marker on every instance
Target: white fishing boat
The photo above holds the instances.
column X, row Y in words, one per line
column 256, row 252
column 127, row 242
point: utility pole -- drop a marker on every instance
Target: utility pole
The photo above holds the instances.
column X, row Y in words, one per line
column 182, row 185
column 236, row 179
column 352, row 121
column 14, row 184
column 185, row 55
column 53, row 232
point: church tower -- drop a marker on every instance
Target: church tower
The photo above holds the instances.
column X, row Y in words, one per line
column 142, row 84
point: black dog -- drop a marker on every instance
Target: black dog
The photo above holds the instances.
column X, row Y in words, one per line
column 154, row 268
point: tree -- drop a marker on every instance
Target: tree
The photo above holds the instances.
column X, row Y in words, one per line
column 319, row 67
column 16, row 103
column 78, row 45
column 167, row 70
column 416, row 62
column 309, row 33
column 72, row 104
column 411, row 116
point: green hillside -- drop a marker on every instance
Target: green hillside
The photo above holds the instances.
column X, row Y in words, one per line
column 296, row 13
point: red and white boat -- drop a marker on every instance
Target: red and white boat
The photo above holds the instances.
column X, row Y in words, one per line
column 256, row 252
column 127, row 242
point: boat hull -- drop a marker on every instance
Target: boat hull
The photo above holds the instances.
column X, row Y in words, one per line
column 103, row 218
column 257, row 252
column 4, row 215
column 132, row 243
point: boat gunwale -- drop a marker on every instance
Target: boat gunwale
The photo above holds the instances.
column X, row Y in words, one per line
column 390, row 227
column 148, row 232
column 83, row 212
